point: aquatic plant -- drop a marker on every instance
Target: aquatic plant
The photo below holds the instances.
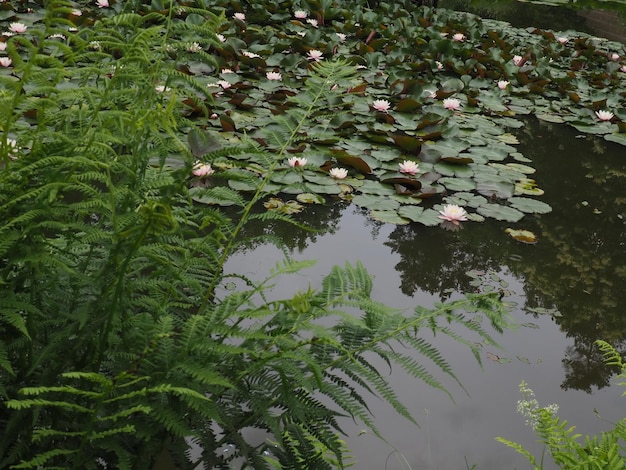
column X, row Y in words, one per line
column 562, row 445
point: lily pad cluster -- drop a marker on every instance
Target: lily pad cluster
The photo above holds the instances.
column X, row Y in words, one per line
column 426, row 118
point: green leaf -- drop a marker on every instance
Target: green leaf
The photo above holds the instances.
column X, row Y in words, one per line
column 530, row 206
column 499, row 212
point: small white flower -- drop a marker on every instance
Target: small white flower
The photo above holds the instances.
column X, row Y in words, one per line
column 8, row 34
column 3, row 46
column 301, row 33
column 381, row 105
column 224, row 84
column 240, row 16
column 409, row 167
column 459, row 37
column 562, row 40
column 604, row 115
column 161, row 88
column 5, row 61
column 614, row 56
column 341, row 36
column 227, row 71
column 300, row 14
column 274, row 76
column 312, row 22
column 297, row 161
column 439, row 65
column 453, row 213
column 194, row 47
column 57, row 36
column 77, row 13
column 338, row 173
column 518, row 60
column 452, row 104
column 251, row 55
column 95, row 45
column 315, row 55
column 221, row 37
column 202, row 169
column 502, row 84
column 623, row 68
column 102, row 3
column 18, row 28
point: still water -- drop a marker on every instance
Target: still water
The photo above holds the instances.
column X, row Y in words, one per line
column 569, row 290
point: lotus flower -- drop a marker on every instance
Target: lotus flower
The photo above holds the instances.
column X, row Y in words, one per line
column 315, row 55
column 102, row 3
column 297, row 161
column 452, row 104
column 240, row 16
column 518, row 60
column 274, row 76
column 5, row 61
column 300, row 14
column 459, row 37
column 381, row 105
column 18, row 28
column 502, row 84
column 453, row 213
column 409, row 167
column 202, row 169
column 338, row 173
column 604, row 115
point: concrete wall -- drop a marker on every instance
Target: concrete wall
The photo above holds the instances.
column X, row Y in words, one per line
column 606, row 24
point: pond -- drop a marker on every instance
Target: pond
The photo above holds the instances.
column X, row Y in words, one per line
column 567, row 288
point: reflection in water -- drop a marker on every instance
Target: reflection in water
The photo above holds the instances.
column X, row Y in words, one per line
column 578, row 268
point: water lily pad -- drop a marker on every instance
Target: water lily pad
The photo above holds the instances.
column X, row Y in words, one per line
column 310, row 198
column 530, row 206
column 388, row 217
column 428, row 217
column 373, row 202
column 499, row 212
column 524, row 236
column 458, row 184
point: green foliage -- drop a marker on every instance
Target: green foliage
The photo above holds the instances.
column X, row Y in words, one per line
column 604, row 451
column 117, row 343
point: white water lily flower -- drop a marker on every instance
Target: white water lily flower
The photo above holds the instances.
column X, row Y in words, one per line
column 18, row 28
column 221, row 37
column 562, row 40
column 274, row 76
column 502, row 84
column 297, row 161
column 102, row 3
column 459, row 37
column 315, row 55
column 240, row 16
column 604, row 115
column 300, row 14
column 518, row 60
column 409, row 167
column 202, row 169
column 381, row 105
column 312, row 22
column 453, row 213
column 452, row 104
column 341, row 36
column 338, row 173
column 5, row 61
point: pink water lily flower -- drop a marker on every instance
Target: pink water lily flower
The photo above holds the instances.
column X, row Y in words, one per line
column 341, row 36
column 338, row 173
column 502, row 84
column 300, row 14
column 102, row 3
column 518, row 60
column 439, row 65
column 202, row 169
column 76, row 13
column 452, row 104
column 459, row 37
column 3, row 46
column 409, row 167
column 315, row 55
column 604, row 115
column 623, row 68
column 453, row 213
column 5, row 61
column 240, row 16
column 297, row 161
column 381, row 105
column 562, row 40
column 274, row 76
column 18, row 28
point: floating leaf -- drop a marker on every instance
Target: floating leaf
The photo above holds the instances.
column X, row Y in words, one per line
column 388, row 217
column 523, row 236
column 496, row 211
column 530, row 206
column 310, row 198
column 427, row 217
column 374, row 202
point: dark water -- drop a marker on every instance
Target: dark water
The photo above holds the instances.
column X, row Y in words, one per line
column 574, row 276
